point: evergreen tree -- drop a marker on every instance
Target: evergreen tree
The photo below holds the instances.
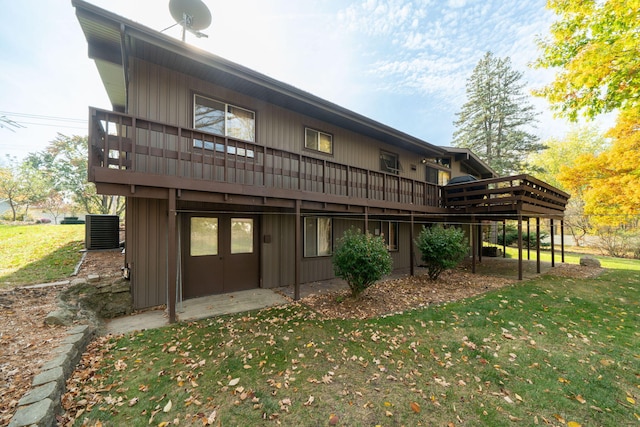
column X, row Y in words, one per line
column 493, row 122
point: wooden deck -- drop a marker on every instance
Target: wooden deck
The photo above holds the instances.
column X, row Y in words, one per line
column 131, row 151
column 513, row 195
column 128, row 152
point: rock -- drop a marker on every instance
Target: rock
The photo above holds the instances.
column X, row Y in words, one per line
column 589, row 262
column 62, row 316
column 107, row 299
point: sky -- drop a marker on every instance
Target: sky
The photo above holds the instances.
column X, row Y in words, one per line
column 403, row 63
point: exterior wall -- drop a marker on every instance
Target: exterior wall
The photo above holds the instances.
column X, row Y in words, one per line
column 277, row 268
column 161, row 94
column 146, row 251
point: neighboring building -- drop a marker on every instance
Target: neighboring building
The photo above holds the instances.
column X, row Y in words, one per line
column 235, row 180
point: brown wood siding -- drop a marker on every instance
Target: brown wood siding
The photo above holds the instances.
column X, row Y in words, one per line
column 277, row 255
column 164, row 95
column 147, row 251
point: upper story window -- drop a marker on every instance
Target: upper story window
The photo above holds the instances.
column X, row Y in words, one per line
column 319, row 141
column 389, row 162
column 223, row 119
column 438, row 176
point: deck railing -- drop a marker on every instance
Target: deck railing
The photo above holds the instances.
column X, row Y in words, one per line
column 506, row 193
column 131, row 144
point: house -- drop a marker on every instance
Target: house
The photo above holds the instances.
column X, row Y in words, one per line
column 235, row 180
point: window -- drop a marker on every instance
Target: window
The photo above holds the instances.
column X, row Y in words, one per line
column 438, row 176
column 204, row 236
column 223, row 119
column 317, row 236
column 389, row 232
column 319, row 141
column 389, row 162
column 241, row 236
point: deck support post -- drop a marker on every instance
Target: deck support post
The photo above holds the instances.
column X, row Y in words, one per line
column 504, row 238
column 538, row 245
column 172, row 262
column 298, row 249
column 562, row 239
column 519, row 247
column 528, row 240
column 479, row 240
column 553, row 245
column 474, row 246
column 412, row 252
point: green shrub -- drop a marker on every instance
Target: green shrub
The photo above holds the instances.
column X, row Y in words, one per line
column 441, row 248
column 361, row 260
column 511, row 237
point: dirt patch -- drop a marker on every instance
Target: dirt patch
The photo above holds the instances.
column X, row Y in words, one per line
column 26, row 342
column 401, row 294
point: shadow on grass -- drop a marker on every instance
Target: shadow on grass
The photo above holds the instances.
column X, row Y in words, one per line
column 57, row 265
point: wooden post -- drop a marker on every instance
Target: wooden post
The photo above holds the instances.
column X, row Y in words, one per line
column 479, row 242
column 474, row 246
column 562, row 239
column 553, row 248
column 298, row 249
column 412, row 266
column 172, row 264
column 528, row 241
column 538, row 245
column 504, row 238
column 519, row 248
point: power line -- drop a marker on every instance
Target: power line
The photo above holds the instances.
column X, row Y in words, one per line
column 42, row 117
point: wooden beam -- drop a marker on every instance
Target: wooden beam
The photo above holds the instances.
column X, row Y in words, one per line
column 538, row 245
column 474, row 246
column 562, row 239
column 411, row 249
column 519, row 248
column 172, row 262
column 553, row 245
column 298, row 249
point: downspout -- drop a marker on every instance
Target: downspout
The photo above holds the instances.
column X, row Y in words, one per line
column 124, row 51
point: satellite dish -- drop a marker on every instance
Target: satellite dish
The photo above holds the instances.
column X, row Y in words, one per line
column 193, row 15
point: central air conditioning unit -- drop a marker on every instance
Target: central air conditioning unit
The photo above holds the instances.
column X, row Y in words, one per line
column 102, row 232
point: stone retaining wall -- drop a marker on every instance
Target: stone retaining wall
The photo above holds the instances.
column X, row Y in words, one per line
column 41, row 404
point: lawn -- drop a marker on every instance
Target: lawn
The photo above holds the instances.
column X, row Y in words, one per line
column 38, row 253
column 547, row 351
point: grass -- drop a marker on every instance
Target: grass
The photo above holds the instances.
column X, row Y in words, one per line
column 547, row 351
column 38, row 253
column 574, row 258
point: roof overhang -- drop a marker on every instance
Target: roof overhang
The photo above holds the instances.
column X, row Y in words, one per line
column 473, row 162
column 113, row 39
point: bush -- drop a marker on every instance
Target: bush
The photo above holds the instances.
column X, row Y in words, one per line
column 528, row 240
column 361, row 260
column 441, row 248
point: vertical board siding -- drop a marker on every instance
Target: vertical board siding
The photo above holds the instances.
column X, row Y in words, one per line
column 148, row 251
column 160, row 94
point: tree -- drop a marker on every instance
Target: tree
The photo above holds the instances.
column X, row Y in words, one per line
column 493, row 122
column 21, row 185
column 441, row 248
column 65, row 163
column 562, row 153
column 610, row 181
column 361, row 260
column 594, row 46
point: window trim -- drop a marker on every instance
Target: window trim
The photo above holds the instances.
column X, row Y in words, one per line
column 226, row 113
column 384, row 230
column 319, row 132
column 387, row 168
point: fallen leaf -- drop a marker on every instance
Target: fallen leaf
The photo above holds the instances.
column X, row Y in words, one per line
column 580, row 399
column 133, row 401
column 309, row 401
column 559, row 418
column 573, row 424
column 167, row 407
column 234, row 381
column 333, row 419
column 212, row 417
column 415, row 407
column 631, row 400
